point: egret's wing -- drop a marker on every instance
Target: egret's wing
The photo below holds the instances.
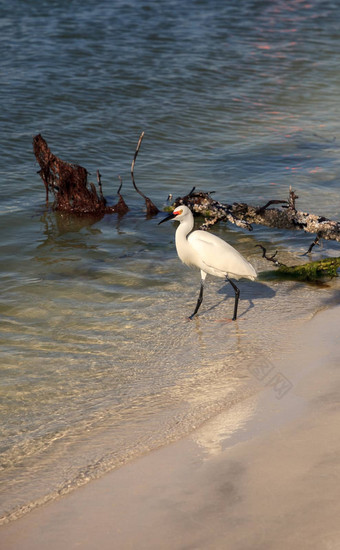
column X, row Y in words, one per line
column 218, row 257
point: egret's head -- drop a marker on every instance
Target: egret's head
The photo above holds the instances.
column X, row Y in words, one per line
column 179, row 213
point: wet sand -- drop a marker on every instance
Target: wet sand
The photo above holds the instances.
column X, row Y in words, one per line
column 262, row 476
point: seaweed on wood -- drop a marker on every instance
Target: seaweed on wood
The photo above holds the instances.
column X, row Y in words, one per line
column 69, row 184
column 327, row 268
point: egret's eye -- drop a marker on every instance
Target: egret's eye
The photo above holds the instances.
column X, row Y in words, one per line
column 178, row 212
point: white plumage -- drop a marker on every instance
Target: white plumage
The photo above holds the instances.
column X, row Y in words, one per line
column 209, row 253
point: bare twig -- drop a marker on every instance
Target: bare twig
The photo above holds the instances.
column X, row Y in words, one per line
column 315, row 242
column 269, row 203
column 121, row 185
column 270, row 258
column 151, row 208
column 291, row 199
column 99, row 181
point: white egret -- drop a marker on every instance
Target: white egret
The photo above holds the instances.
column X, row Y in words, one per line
column 209, row 253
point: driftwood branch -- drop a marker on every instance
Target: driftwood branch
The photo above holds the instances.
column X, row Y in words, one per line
column 151, row 208
column 244, row 215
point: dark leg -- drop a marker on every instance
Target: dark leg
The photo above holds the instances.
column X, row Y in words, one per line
column 199, row 301
column 237, row 295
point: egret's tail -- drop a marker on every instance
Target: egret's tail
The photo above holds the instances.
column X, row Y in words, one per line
column 252, row 273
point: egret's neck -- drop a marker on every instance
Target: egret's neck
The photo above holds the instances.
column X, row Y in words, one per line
column 182, row 232
column 185, row 227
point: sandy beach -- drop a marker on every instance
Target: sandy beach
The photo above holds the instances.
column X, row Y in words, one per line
column 264, row 475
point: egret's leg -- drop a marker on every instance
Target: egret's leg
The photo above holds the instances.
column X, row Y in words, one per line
column 200, row 296
column 199, row 301
column 237, row 295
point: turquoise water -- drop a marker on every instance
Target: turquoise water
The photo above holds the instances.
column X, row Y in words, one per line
column 98, row 362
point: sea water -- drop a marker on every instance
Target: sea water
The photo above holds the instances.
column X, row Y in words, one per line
column 99, row 363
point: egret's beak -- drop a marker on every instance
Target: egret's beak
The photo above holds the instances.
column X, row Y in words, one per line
column 170, row 217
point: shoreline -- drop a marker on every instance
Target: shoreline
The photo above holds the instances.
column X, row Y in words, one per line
column 261, row 475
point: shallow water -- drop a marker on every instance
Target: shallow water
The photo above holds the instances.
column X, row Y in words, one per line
column 98, row 362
